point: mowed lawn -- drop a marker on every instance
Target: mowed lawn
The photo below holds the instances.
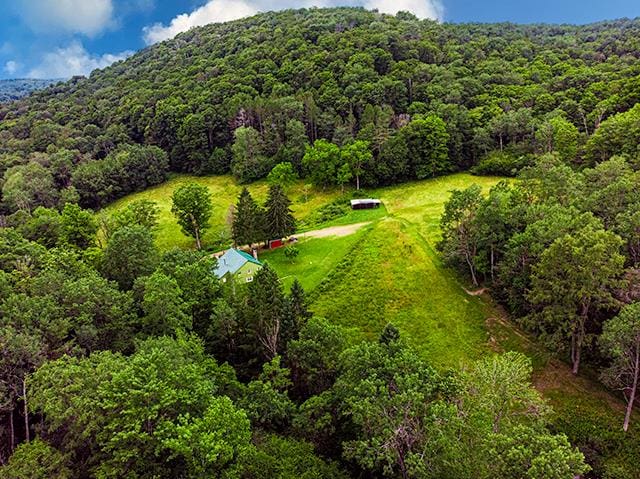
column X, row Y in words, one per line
column 317, row 258
column 224, row 193
column 390, row 275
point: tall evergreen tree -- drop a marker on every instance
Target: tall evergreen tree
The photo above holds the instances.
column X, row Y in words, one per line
column 267, row 310
column 297, row 313
column 279, row 220
column 299, row 303
column 248, row 220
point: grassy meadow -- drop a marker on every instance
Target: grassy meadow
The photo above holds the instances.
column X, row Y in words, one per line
column 391, row 275
column 224, row 193
column 389, row 271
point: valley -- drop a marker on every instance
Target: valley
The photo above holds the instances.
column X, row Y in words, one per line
column 319, row 243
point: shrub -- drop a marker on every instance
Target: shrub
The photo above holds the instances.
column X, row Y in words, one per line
column 501, row 163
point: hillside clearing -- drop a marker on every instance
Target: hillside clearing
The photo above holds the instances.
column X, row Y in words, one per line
column 224, row 193
column 371, row 267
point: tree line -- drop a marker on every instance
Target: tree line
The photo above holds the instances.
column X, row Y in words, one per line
column 559, row 248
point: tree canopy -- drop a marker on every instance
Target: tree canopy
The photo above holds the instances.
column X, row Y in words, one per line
column 425, row 97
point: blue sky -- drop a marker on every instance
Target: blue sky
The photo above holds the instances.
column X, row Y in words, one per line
column 61, row 38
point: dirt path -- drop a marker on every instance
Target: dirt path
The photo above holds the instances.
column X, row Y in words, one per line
column 345, row 230
column 338, row 231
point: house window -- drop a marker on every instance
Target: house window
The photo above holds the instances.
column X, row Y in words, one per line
column 249, row 279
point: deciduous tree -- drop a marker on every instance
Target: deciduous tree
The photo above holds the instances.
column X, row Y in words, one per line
column 358, row 156
column 460, row 237
column 620, row 340
column 191, row 204
column 130, row 254
column 575, row 278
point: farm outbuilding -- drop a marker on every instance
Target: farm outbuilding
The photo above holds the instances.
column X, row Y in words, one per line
column 365, row 204
column 275, row 243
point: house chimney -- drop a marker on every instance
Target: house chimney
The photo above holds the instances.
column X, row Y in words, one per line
column 255, row 253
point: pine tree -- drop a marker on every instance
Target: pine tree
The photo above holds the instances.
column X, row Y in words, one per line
column 299, row 304
column 267, row 311
column 297, row 314
column 248, row 220
column 279, row 220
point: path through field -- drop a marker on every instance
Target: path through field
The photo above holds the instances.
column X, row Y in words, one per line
column 337, row 231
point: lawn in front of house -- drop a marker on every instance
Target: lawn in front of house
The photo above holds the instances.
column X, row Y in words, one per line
column 317, row 257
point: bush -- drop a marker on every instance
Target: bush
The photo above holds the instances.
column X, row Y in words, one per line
column 501, row 163
column 291, row 252
column 330, row 212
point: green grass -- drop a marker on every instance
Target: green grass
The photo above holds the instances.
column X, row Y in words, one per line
column 317, row 258
column 390, row 272
column 422, row 203
column 351, row 217
column 224, row 193
column 390, row 275
column 413, row 201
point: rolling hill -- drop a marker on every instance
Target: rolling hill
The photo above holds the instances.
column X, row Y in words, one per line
column 336, row 97
column 245, row 95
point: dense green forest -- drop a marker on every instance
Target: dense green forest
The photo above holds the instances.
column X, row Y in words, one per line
column 122, row 360
column 14, row 89
column 424, row 98
column 146, row 365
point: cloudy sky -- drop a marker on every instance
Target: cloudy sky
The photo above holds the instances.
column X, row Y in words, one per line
column 61, row 38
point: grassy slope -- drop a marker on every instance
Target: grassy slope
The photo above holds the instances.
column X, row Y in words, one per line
column 390, row 276
column 390, row 272
column 393, row 274
column 224, row 193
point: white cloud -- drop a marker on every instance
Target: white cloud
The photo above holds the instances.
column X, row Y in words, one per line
column 431, row 9
column 214, row 11
column 88, row 17
column 11, row 67
column 73, row 60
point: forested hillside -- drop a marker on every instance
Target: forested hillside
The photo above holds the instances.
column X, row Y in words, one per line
column 126, row 352
column 14, row 89
column 424, row 99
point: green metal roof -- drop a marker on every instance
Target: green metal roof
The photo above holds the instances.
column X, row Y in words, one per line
column 232, row 260
column 249, row 257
